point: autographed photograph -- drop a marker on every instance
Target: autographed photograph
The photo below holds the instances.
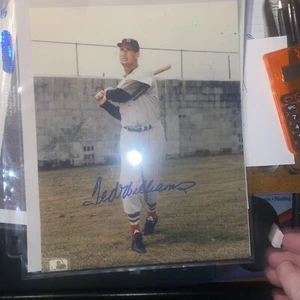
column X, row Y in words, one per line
column 139, row 134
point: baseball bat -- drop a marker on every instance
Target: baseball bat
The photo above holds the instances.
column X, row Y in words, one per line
column 162, row 69
column 156, row 72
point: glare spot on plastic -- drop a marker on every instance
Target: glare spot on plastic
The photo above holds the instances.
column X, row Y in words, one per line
column 3, row 14
column 11, row 173
column 134, row 157
column 7, row 53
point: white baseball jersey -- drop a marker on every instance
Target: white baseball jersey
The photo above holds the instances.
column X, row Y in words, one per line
column 142, row 110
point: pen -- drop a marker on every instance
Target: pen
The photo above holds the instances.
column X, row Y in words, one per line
column 291, row 21
column 271, row 26
column 295, row 19
column 274, row 9
column 285, row 26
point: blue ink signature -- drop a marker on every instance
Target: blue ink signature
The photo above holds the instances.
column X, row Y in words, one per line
column 124, row 191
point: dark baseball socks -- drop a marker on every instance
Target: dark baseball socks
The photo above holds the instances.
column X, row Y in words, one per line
column 134, row 220
column 151, row 212
column 136, row 234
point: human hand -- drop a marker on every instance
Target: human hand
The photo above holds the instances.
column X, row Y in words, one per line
column 100, row 97
column 284, row 267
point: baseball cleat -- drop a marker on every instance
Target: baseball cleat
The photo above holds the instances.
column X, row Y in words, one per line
column 137, row 243
column 150, row 225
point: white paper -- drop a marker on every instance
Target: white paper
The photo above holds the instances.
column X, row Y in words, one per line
column 264, row 143
column 275, row 236
column 29, row 136
column 3, row 107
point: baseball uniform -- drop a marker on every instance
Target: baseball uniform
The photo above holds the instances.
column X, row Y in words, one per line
column 142, row 130
column 135, row 103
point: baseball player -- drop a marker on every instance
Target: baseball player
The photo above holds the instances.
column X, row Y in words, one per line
column 135, row 103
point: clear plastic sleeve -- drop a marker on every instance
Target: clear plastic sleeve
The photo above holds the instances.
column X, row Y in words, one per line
column 63, row 157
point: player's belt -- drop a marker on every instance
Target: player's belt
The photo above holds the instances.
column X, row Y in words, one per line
column 139, row 129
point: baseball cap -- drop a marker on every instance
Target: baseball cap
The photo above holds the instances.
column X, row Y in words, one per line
column 133, row 43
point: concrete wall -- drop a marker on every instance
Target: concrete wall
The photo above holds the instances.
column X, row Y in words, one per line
column 199, row 117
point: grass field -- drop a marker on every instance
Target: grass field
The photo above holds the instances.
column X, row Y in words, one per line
column 209, row 222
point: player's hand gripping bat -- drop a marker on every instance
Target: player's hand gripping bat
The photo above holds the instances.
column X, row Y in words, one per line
column 99, row 95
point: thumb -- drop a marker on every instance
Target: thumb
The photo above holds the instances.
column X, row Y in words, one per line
column 99, row 95
column 289, row 277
